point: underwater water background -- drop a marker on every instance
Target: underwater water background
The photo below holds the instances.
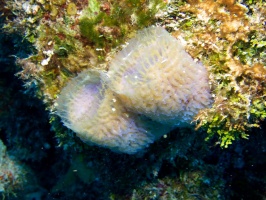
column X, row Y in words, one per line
column 34, row 165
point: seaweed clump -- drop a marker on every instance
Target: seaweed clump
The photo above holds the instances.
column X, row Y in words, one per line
column 229, row 38
column 70, row 36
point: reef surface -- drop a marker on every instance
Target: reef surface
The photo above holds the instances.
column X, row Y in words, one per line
column 46, row 44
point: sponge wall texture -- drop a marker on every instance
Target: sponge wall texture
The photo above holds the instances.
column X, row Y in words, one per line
column 98, row 117
column 154, row 76
column 152, row 86
column 80, row 100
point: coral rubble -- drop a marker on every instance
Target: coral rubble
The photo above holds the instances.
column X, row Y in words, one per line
column 12, row 173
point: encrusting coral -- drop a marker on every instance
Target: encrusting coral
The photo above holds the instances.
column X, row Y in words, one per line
column 98, row 117
column 152, row 86
column 155, row 76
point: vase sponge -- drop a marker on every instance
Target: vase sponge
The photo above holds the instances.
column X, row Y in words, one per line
column 152, row 86
column 155, row 76
column 95, row 114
